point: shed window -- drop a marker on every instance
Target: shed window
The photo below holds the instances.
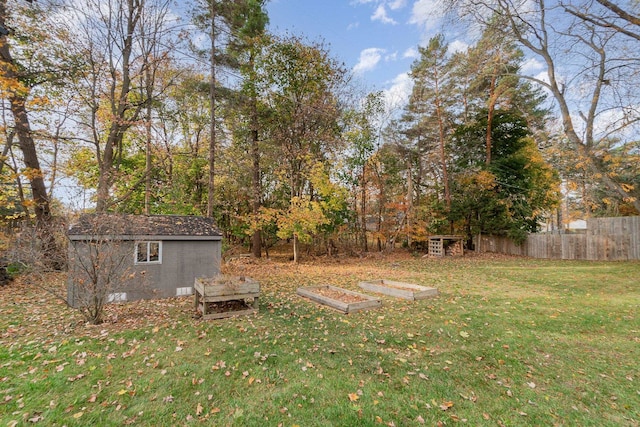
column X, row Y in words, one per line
column 148, row 253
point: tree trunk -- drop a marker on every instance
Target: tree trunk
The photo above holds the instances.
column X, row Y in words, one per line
column 490, row 113
column 212, row 105
column 409, row 205
column 443, row 155
column 256, row 239
column 363, row 210
column 120, row 105
column 17, row 99
column 295, row 248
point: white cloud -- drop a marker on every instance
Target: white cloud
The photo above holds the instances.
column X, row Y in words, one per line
column 397, row 95
column 381, row 15
column 531, row 66
column 426, row 13
column 458, row 46
column 369, row 58
column 412, row 52
column 544, row 77
column 353, row 25
column 391, row 57
column 397, row 4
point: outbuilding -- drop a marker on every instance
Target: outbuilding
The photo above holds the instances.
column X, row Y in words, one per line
column 130, row 257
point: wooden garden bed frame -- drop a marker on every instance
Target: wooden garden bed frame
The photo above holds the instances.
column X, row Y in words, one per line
column 408, row 291
column 366, row 301
column 222, row 289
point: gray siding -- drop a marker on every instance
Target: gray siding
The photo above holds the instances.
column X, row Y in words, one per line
column 182, row 262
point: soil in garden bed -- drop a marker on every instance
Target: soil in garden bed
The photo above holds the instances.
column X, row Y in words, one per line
column 338, row 295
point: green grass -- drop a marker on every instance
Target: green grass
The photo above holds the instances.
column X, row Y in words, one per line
column 509, row 341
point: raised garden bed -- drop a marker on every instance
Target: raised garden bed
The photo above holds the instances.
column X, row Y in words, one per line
column 225, row 296
column 399, row 289
column 339, row 299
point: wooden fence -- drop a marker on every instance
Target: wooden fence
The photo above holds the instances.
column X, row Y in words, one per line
column 605, row 239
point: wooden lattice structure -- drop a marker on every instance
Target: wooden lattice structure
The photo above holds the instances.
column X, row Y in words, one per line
column 446, row 245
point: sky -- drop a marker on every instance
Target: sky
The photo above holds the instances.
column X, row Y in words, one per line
column 376, row 39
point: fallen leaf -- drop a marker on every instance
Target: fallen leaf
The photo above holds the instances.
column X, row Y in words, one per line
column 445, row 406
column 199, row 409
column 36, row 418
column 464, row 334
column 353, row 397
column 78, row 415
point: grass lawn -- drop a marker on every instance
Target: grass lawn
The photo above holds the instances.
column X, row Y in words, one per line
column 509, row 341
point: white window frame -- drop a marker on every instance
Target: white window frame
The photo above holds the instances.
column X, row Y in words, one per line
column 148, row 252
column 117, row 297
column 187, row 290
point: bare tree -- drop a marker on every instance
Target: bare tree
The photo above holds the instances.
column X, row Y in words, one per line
column 591, row 72
column 100, row 258
column 611, row 16
column 101, row 267
column 120, row 44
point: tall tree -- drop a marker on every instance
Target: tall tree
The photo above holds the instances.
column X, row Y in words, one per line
column 251, row 22
column 110, row 40
column 362, row 132
column 593, row 96
column 511, row 194
column 300, row 85
column 222, row 22
column 431, row 74
column 16, row 85
column 496, row 61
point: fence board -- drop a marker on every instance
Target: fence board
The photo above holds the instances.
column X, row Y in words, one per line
column 606, row 239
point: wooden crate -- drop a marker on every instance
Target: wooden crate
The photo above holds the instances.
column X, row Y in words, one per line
column 359, row 301
column 226, row 290
column 437, row 247
column 408, row 291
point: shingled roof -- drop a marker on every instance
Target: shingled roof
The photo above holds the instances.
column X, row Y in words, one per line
column 139, row 226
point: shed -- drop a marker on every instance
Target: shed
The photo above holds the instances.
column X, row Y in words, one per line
column 162, row 253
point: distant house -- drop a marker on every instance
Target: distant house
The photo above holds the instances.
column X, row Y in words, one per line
column 162, row 253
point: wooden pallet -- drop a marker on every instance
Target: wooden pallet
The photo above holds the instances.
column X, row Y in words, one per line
column 408, row 291
column 223, row 289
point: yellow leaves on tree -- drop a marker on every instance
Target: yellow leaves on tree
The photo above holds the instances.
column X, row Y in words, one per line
column 11, row 85
column 301, row 220
column 482, row 180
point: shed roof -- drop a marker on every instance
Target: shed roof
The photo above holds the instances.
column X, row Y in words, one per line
column 144, row 226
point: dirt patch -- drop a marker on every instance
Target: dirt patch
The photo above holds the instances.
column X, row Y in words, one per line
column 339, row 295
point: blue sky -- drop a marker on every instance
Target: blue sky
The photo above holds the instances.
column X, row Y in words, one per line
column 376, row 39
